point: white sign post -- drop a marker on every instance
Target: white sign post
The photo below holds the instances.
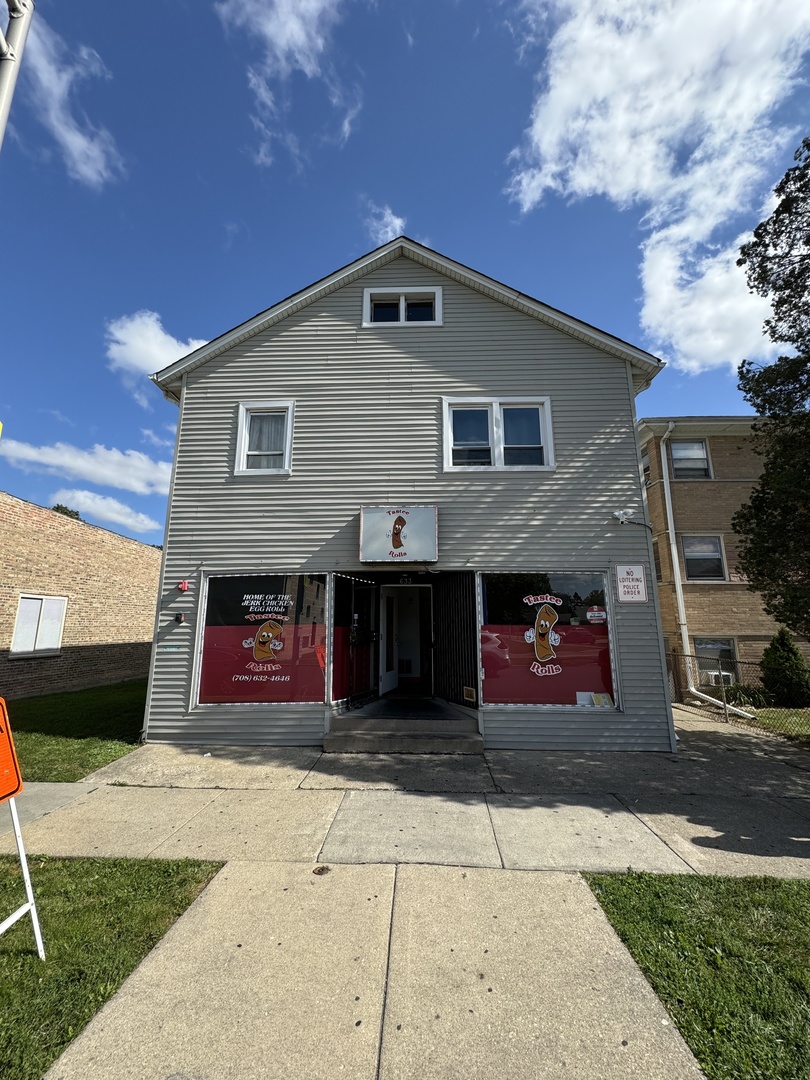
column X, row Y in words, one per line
column 10, row 785
column 631, row 584
column 30, row 905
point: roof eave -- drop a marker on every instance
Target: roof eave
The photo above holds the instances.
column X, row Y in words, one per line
column 697, row 426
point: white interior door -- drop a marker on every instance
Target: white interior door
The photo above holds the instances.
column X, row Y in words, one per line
column 389, row 644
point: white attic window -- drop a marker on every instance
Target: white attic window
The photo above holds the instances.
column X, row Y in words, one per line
column 402, row 307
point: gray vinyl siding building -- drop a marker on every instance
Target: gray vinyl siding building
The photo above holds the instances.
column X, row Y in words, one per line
column 366, row 408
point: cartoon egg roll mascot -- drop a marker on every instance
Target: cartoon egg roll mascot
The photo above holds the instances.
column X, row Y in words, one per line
column 267, row 640
column 543, row 634
column 396, row 531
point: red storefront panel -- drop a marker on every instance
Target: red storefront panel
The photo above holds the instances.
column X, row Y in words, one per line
column 545, row 640
column 264, row 639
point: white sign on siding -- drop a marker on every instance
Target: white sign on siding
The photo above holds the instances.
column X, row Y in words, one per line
column 632, row 584
column 398, row 534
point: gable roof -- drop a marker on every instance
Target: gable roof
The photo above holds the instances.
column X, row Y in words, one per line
column 647, row 366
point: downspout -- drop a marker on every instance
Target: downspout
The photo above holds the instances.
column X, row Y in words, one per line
column 676, row 577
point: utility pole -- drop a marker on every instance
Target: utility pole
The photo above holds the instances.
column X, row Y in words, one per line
column 20, row 13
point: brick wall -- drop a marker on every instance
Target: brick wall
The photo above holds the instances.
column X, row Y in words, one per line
column 726, row 609
column 111, row 583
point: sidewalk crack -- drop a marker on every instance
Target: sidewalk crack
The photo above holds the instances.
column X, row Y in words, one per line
column 331, row 823
column 384, row 1008
column 219, row 793
column 494, row 833
column 677, row 854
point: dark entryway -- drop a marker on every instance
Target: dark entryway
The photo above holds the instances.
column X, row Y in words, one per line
column 411, row 636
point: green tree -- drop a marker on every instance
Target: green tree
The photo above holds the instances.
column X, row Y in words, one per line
column 785, row 675
column 777, row 259
column 774, row 526
column 66, row 510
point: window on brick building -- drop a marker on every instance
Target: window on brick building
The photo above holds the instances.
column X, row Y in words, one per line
column 38, row 627
column 690, row 459
column 703, row 558
column 716, row 661
column 645, row 466
column 657, row 561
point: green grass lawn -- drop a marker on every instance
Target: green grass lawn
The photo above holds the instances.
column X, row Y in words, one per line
column 792, row 722
column 63, row 737
column 99, row 918
column 729, row 958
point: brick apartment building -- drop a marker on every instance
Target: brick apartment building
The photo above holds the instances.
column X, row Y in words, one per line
column 705, row 468
column 77, row 603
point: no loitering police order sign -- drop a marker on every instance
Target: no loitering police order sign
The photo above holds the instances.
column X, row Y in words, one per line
column 631, row 584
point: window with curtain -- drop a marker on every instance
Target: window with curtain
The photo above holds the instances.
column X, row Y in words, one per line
column 264, row 442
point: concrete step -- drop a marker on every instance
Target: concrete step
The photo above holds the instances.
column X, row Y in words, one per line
column 413, row 725
column 401, row 742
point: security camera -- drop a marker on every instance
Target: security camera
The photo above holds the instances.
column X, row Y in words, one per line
column 623, row 515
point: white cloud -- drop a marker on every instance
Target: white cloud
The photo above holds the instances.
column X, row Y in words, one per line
column 155, row 440
column 382, row 224
column 103, row 508
column 57, row 415
column 137, row 345
column 701, row 307
column 53, row 70
column 294, row 37
column 668, row 106
column 129, row 470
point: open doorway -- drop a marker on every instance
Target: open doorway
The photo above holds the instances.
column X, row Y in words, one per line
column 383, row 638
column 406, row 640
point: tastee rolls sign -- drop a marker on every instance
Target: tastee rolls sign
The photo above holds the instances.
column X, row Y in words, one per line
column 398, row 534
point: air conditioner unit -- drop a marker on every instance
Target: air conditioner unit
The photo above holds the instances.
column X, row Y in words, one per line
column 718, row 678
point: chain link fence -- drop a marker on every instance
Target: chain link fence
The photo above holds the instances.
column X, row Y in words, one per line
column 733, row 691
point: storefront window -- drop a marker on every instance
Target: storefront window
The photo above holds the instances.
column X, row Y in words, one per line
column 264, row 639
column 544, row 640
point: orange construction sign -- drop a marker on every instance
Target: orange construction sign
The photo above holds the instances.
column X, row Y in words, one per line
column 10, row 780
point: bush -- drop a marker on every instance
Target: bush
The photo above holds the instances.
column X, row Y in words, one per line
column 753, row 696
column 785, row 675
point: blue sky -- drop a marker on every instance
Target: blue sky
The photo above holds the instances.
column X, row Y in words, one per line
column 169, row 172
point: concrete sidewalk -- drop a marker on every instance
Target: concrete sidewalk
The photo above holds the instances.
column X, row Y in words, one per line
column 451, row 934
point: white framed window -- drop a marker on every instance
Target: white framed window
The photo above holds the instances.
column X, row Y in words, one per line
column 38, row 627
column 264, row 438
column 703, row 558
column 645, row 468
column 716, row 661
column 402, row 307
column 690, row 459
column 507, row 433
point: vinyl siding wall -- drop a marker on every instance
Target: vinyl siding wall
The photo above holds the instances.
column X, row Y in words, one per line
column 368, row 430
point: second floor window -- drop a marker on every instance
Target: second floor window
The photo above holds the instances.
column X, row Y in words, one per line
column 511, row 433
column 703, row 558
column 690, row 459
column 264, row 438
